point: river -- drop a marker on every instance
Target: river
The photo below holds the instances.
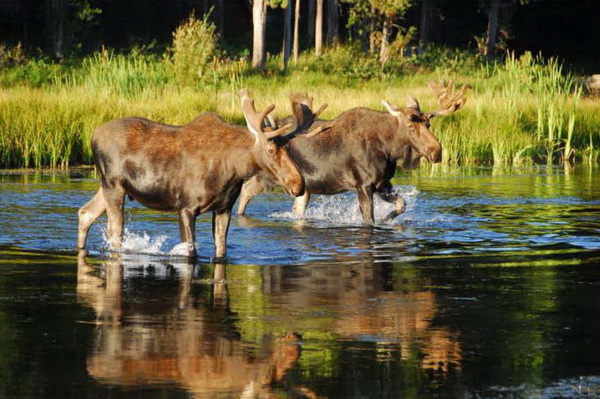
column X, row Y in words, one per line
column 488, row 286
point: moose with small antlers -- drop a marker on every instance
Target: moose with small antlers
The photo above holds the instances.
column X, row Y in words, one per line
column 360, row 150
column 189, row 169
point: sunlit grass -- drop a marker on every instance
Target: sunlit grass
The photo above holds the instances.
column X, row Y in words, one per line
column 520, row 111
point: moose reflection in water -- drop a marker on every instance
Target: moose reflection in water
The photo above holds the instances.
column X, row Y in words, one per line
column 195, row 339
column 368, row 302
column 185, row 340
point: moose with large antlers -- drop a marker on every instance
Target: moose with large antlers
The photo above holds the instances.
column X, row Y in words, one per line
column 360, row 150
column 189, row 169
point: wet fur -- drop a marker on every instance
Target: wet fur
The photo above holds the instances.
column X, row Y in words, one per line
column 190, row 169
column 359, row 152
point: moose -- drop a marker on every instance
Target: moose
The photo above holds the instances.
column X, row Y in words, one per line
column 190, row 169
column 360, row 150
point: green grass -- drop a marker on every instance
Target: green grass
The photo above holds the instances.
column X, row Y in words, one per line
column 519, row 111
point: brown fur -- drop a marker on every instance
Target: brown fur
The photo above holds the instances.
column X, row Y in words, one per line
column 190, row 169
column 358, row 152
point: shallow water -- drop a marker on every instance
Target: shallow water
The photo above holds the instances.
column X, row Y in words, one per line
column 488, row 286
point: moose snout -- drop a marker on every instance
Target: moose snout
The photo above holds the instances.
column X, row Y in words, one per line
column 296, row 188
column 293, row 185
column 434, row 153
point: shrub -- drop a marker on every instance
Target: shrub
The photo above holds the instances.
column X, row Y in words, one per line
column 12, row 56
column 194, row 47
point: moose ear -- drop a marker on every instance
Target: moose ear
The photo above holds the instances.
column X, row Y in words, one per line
column 412, row 102
column 391, row 109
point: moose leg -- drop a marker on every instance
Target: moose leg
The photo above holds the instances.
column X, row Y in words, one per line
column 250, row 189
column 187, row 230
column 114, row 199
column 88, row 214
column 365, row 202
column 301, row 203
column 386, row 193
column 220, row 228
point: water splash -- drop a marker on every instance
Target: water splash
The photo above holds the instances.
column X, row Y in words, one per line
column 181, row 249
column 343, row 209
column 139, row 243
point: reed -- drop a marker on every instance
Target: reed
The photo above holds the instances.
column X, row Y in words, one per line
column 521, row 110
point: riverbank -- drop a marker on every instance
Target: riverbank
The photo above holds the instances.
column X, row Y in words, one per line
column 519, row 111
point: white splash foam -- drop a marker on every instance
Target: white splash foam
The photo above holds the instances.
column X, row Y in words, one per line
column 344, row 209
column 181, row 249
column 133, row 242
column 144, row 244
column 140, row 243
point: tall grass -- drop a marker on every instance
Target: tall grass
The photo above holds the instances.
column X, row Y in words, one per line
column 525, row 110
column 521, row 110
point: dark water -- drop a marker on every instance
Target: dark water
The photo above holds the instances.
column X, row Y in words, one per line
column 487, row 287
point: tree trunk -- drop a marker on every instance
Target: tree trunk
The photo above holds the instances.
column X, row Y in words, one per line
column 56, row 20
column 424, row 22
column 492, row 29
column 287, row 34
column 311, row 21
column 296, row 31
column 384, row 50
column 319, row 29
column 259, row 19
column 372, row 33
column 333, row 18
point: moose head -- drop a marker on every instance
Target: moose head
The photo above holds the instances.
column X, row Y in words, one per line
column 270, row 154
column 417, row 123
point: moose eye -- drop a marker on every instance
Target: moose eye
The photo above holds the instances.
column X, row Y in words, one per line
column 271, row 150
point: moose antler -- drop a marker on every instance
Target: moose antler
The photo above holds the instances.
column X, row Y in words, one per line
column 271, row 122
column 450, row 102
column 254, row 120
column 303, row 114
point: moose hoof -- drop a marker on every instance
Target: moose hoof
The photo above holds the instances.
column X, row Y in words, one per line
column 400, row 206
column 190, row 251
column 184, row 249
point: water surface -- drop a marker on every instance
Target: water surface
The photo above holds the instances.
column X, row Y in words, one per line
column 487, row 286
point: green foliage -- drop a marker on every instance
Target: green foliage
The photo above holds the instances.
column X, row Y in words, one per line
column 86, row 13
column 194, row 48
column 363, row 14
column 128, row 75
column 11, row 56
column 348, row 62
column 403, row 38
column 527, row 111
column 369, row 17
column 349, row 65
column 278, row 3
column 449, row 61
column 33, row 72
column 523, row 110
column 17, row 68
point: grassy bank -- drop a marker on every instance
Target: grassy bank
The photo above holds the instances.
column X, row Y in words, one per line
column 520, row 110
